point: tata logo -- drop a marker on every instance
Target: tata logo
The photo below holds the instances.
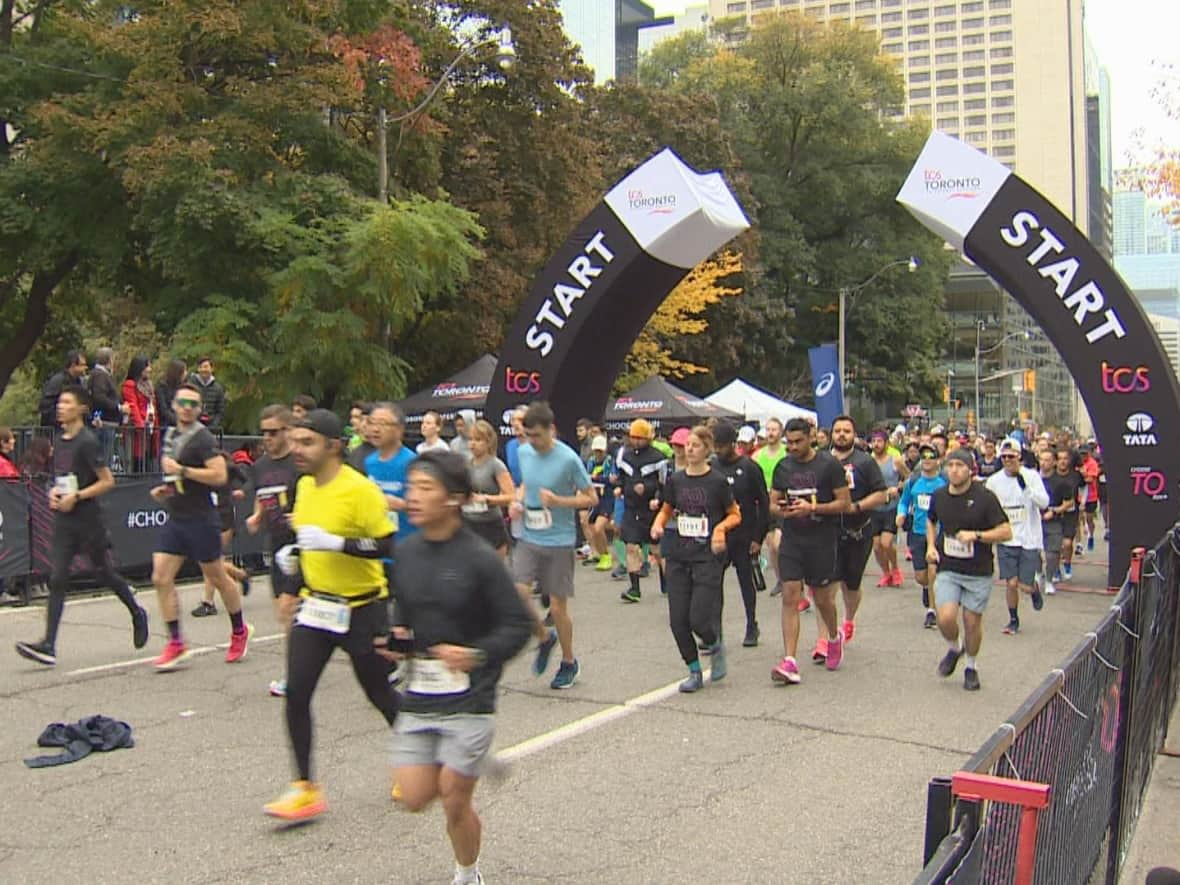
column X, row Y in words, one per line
column 1139, row 424
column 1124, row 379
column 521, row 382
column 826, row 382
column 506, row 417
column 1150, row 483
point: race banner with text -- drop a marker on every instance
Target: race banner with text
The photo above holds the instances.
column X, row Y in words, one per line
column 14, row 529
column 592, row 299
column 825, row 383
column 1104, row 338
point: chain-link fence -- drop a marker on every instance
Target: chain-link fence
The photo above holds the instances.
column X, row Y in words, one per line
column 1090, row 732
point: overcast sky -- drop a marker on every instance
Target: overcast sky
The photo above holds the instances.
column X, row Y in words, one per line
column 1136, row 40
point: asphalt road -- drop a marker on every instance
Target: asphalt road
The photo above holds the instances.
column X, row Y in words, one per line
column 614, row 781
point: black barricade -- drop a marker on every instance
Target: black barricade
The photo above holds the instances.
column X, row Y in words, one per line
column 14, row 529
column 1091, row 731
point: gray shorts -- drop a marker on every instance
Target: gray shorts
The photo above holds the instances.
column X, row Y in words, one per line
column 551, row 568
column 1052, row 534
column 458, row 741
column 969, row 591
column 1018, row 563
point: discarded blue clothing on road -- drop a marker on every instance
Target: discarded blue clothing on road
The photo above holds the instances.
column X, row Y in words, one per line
column 92, row 733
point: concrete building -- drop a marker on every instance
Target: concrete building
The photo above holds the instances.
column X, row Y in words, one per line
column 1010, row 78
column 694, row 18
column 608, row 33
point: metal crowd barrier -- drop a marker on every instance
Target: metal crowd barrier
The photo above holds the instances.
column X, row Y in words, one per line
column 1055, row 793
column 130, row 451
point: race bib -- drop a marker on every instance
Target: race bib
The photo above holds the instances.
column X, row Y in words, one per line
column 431, row 676
column 953, row 547
column 923, row 502
column 475, row 507
column 324, row 614
column 1016, row 515
column 214, row 498
column 538, row 520
column 692, row 526
column 67, row 484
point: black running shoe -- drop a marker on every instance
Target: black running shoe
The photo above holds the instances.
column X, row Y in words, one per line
column 931, row 620
column 204, row 610
column 970, row 679
column 139, row 627
column 41, row 652
column 752, row 634
column 950, row 661
column 629, row 595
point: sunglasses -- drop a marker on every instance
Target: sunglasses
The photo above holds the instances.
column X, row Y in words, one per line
column 929, row 456
column 188, row 403
column 1009, row 457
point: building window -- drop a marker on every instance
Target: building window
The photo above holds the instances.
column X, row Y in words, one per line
column 946, row 43
column 971, row 7
column 1003, row 118
column 944, row 11
column 1002, row 85
column 892, row 48
column 763, row 4
column 1005, row 68
column 1000, row 4
column 974, row 104
column 919, row 45
column 919, row 30
column 920, row 77
column 919, row 61
column 887, row 17
column 944, row 27
column 839, row 8
column 946, row 58
column 1003, row 101
column 1001, row 36
column 889, row 4
column 947, row 122
column 974, row 71
column 951, row 74
column 891, row 33
column 1001, row 52
column 974, row 88
column 867, row 21
column 920, row 92
column 948, row 107
column 950, row 89
column 918, row 13
column 973, row 39
column 976, row 138
column 1000, row 20
column 923, row 109
column 735, row 8
column 1005, row 134
column 862, row 5
column 1005, row 150
column 972, row 23
column 973, row 55
column 977, row 120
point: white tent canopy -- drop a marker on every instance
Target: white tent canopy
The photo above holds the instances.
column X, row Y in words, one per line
column 755, row 403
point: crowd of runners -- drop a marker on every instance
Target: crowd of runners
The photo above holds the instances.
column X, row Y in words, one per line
column 432, row 566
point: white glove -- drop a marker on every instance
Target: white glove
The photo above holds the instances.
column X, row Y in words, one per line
column 312, row 537
column 287, row 558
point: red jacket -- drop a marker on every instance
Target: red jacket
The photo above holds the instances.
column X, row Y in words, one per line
column 141, row 404
column 8, row 469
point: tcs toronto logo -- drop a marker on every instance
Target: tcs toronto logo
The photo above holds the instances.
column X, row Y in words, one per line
column 523, row 383
column 1149, row 482
column 1124, row 379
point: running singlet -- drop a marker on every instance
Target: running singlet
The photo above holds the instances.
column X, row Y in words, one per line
column 352, row 507
column 1090, row 471
column 892, row 478
column 768, row 461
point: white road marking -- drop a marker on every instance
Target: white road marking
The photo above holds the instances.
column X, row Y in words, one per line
column 193, row 652
column 579, row 727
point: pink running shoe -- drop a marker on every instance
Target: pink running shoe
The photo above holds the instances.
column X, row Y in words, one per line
column 804, row 602
column 820, row 654
column 886, row 580
column 835, row 653
column 786, row 673
column 849, row 630
column 175, row 653
column 238, row 643
column 898, row 579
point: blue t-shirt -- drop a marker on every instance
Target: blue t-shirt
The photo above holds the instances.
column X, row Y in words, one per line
column 915, row 499
column 512, row 459
column 390, row 476
column 562, row 472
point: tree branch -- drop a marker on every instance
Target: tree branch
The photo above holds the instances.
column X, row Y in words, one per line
column 17, row 348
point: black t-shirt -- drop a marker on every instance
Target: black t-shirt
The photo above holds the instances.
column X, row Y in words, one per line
column 977, row 510
column 748, row 484
column 459, row 592
column 987, row 468
column 274, row 489
column 1060, row 488
column 76, row 462
column 1072, row 483
column 356, row 458
column 863, row 475
column 699, row 504
column 816, row 480
column 191, row 498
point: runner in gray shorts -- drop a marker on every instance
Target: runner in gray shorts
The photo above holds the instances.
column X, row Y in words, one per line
column 970, row 591
column 551, row 568
column 458, row 741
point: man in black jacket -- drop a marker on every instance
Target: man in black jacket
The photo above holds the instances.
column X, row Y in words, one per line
column 70, row 376
column 106, row 410
column 744, row 542
column 212, row 394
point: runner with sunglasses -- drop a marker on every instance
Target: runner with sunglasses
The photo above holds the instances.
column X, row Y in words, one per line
column 1022, row 494
column 192, row 471
column 912, row 508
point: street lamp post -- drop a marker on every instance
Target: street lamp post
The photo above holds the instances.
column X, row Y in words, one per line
column 1025, row 334
column 846, row 292
column 505, row 58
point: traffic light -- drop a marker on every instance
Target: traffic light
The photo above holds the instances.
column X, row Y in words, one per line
column 946, row 393
column 1030, row 380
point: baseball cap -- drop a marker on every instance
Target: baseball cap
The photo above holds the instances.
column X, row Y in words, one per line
column 926, row 447
column 680, row 436
column 598, row 444
column 641, row 429
column 878, row 434
column 1010, row 446
column 746, row 434
column 963, row 455
column 468, row 416
column 322, row 421
column 724, row 434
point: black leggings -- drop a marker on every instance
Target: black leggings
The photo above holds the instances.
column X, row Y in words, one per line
column 738, row 551
column 694, row 603
column 70, row 539
column 308, row 651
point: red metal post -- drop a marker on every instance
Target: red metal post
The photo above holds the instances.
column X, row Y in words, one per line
column 1026, row 846
column 1031, row 797
column 1137, row 555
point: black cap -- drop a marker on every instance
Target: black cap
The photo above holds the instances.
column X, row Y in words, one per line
column 322, row 421
column 724, row 434
column 963, row 455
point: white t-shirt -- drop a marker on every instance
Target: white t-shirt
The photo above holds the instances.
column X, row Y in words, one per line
column 439, row 445
column 1023, row 506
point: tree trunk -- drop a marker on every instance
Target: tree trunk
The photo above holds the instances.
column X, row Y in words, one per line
column 16, row 349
